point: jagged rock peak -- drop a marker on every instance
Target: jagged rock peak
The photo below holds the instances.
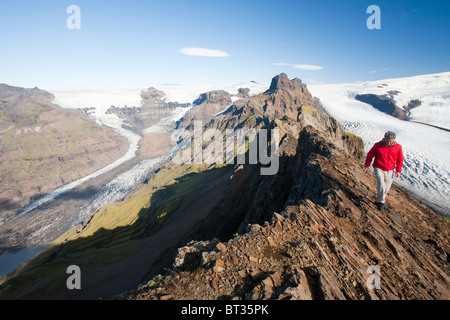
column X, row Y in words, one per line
column 282, row 82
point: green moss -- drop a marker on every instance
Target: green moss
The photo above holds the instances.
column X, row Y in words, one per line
column 307, row 109
column 350, row 136
column 109, row 235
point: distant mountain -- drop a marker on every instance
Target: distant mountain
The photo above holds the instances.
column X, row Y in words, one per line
column 216, row 231
column 152, row 109
column 43, row 147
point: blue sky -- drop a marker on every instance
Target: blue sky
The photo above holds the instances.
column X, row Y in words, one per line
column 141, row 42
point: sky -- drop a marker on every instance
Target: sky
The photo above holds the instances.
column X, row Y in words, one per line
column 143, row 42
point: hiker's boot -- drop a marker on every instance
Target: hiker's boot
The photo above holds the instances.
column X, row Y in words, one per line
column 380, row 206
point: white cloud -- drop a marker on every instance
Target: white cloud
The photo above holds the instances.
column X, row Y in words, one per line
column 382, row 69
column 299, row 66
column 281, row 64
column 307, row 67
column 204, row 52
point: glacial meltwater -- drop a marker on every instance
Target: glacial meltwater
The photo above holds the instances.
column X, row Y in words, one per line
column 11, row 261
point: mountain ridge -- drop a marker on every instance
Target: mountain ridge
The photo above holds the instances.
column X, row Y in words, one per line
column 327, row 235
column 308, row 231
column 326, row 246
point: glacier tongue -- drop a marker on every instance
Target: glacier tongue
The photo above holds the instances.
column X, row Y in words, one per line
column 118, row 188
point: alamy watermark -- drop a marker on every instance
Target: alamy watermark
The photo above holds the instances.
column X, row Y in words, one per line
column 374, row 21
column 74, row 281
column 225, row 147
column 73, row 22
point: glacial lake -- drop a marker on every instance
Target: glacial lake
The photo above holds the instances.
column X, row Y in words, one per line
column 11, row 261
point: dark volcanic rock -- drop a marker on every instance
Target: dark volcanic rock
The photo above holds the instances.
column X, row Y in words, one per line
column 384, row 103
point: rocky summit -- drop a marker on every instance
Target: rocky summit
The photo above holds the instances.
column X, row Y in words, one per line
column 224, row 231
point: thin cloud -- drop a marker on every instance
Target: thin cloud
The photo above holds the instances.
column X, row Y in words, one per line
column 307, row 67
column 382, row 69
column 310, row 67
column 281, row 64
column 204, row 52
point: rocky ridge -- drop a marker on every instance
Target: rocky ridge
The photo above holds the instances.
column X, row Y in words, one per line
column 312, row 231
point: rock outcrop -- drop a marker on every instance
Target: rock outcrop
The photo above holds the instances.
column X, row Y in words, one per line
column 205, row 106
column 153, row 108
column 243, row 93
column 386, row 103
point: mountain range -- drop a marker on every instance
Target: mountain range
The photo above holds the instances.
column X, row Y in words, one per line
column 224, row 231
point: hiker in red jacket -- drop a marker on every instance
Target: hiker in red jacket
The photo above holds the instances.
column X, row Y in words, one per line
column 388, row 156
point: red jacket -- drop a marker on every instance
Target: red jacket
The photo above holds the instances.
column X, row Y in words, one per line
column 386, row 158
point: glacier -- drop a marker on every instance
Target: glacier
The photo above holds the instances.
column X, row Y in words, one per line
column 426, row 172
